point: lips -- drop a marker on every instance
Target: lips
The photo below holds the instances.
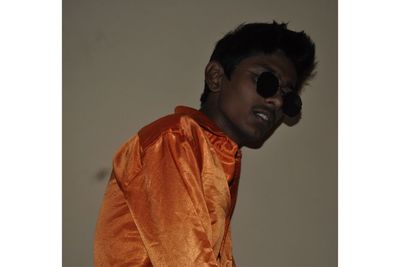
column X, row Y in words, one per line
column 264, row 115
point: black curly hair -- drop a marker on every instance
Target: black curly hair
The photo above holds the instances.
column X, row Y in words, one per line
column 255, row 38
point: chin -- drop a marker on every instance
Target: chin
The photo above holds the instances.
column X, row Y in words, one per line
column 255, row 142
column 255, row 145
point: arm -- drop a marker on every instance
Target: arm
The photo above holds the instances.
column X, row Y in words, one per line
column 167, row 203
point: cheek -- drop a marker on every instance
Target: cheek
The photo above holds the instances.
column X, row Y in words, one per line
column 233, row 99
column 238, row 96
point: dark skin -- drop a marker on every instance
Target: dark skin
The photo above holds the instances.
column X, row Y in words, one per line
column 236, row 107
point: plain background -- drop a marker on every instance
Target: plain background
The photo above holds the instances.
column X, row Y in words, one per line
column 126, row 63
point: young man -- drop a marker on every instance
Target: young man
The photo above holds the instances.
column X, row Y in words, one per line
column 174, row 184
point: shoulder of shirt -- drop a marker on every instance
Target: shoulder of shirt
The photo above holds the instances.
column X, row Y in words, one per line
column 177, row 123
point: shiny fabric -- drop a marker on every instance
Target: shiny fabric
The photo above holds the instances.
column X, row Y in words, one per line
column 170, row 197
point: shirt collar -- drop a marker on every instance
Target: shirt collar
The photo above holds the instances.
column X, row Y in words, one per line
column 202, row 119
column 205, row 122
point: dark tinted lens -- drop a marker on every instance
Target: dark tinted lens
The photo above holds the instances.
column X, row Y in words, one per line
column 291, row 104
column 267, row 84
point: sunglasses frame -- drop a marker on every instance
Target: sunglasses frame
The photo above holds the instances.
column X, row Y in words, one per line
column 268, row 86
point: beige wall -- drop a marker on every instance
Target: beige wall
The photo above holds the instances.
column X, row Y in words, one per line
column 126, row 63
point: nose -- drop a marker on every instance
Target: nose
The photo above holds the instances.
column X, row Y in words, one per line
column 276, row 101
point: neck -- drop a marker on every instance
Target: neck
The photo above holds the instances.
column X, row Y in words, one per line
column 212, row 112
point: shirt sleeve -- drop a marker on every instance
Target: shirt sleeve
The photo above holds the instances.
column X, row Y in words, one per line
column 166, row 200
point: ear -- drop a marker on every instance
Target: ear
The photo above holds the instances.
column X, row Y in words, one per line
column 214, row 74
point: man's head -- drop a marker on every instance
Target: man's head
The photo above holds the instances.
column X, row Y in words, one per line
column 231, row 97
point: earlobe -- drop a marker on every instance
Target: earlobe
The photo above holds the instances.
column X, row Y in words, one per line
column 214, row 74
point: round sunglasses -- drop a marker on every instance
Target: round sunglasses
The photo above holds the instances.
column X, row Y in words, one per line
column 268, row 86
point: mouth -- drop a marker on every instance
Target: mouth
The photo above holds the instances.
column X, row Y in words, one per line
column 264, row 115
column 261, row 116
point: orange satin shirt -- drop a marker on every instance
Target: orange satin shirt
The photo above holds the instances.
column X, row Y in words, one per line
column 171, row 196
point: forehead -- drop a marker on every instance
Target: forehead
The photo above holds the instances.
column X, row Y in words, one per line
column 276, row 62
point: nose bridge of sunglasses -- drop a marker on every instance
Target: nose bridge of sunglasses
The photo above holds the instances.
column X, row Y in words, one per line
column 267, row 84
